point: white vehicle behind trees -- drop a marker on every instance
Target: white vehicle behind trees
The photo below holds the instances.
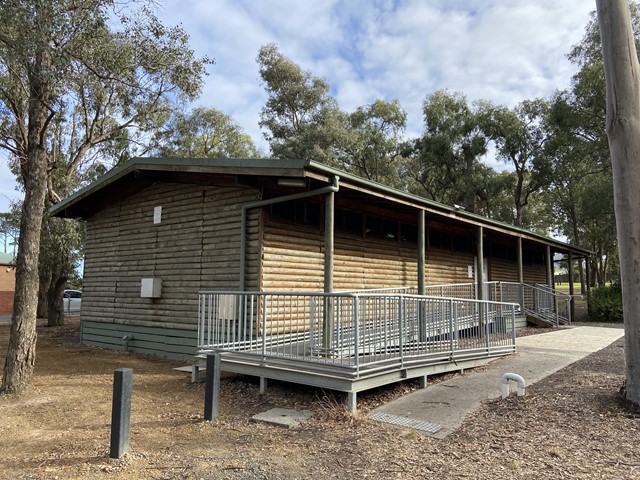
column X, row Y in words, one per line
column 72, row 301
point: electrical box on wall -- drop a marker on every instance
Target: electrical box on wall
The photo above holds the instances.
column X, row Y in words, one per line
column 151, row 287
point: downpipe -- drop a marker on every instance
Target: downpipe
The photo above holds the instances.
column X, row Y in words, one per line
column 334, row 187
column 125, row 342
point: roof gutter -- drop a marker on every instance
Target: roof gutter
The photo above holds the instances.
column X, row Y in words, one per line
column 262, row 203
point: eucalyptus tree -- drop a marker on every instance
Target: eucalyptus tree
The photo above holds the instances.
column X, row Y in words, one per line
column 301, row 119
column 581, row 190
column 104, row 70
column 206, row 133
column 622, row 71
column 519, row 136
column 444, row 165
column 580, row 194
column 375, row 142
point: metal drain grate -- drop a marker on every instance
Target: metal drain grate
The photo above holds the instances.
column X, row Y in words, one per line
column 406, row 422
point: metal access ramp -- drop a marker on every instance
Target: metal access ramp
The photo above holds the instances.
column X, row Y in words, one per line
column 351, row 341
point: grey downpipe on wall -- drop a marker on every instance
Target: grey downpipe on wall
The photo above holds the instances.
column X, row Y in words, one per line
column 263, row 203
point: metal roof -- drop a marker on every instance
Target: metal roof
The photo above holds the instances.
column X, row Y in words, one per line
column 134, row 169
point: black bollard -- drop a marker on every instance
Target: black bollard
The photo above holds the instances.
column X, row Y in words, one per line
column 212, row 387
column 121, row 412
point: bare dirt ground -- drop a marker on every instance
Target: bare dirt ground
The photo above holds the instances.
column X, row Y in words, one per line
column 570, row 425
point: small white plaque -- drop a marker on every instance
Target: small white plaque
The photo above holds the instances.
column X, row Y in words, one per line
column 157, row 215
column 470, row 271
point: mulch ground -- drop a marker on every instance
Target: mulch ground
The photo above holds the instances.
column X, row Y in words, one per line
column 570, row 425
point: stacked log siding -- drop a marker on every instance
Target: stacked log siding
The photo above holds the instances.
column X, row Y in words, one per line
column 196, row 246
column 293, row 260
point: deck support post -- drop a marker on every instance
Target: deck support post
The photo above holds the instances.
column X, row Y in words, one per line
column 421, row 253
column 263, row 385
column 328, row 241
column 423, row 381
column 480, row 276
column 571, row 289
column 520, row 274
column 549, row 266
column 422, row 289
column 480, row 264
column 351, row 401
column 328, row 320
column 212, row 387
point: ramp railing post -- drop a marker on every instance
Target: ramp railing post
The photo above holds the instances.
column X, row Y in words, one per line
column 212, row 387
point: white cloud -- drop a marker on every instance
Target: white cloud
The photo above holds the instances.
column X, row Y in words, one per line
column 502, row 50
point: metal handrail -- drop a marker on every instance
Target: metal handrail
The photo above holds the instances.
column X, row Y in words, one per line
column 542, row 302
column 353, row 331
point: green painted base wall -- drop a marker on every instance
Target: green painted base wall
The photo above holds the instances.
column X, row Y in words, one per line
column 175, row 344
column 521, row 321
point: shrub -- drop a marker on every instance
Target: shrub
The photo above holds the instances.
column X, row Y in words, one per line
column 605, row 304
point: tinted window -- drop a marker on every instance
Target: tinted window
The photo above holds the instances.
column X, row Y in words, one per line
column 438, row 239
column 408, row 233
column 348, row 221
column 300, row 212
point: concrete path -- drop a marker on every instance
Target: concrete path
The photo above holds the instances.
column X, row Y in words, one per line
column 440, row 409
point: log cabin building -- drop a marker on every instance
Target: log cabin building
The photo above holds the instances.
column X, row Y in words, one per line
column 159, row 231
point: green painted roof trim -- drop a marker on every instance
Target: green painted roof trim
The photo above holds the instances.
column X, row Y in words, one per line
column 262, row 166
column 461, row 214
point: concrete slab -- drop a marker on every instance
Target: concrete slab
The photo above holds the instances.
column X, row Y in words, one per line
column 283, row 417
column 447, row 403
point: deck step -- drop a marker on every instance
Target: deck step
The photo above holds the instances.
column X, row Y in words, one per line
column 194, row 370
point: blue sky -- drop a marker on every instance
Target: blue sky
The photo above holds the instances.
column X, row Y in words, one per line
column 501, row 50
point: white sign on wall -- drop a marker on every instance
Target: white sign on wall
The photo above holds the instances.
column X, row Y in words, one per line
column 157, row 215
column 470, row 271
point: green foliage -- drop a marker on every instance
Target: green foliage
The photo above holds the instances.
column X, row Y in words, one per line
column 83, row 85
column 605, row 304
column 375, row 142
column 580, row 195
column 444, row 164
column 113, row 75
column 302, row 120
column 204, row 133
column 300, row 117
column 519, row 135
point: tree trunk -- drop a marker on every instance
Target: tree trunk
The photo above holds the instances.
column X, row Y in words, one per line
column 43, row 297
column 622, row 74
column 21, row 353
column 517, row 198
column 55, row 314
column 470, row 190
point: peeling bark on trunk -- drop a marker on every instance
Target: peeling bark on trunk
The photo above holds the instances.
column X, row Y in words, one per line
column 622, row 73
column 21, row 353
column 55, row 315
